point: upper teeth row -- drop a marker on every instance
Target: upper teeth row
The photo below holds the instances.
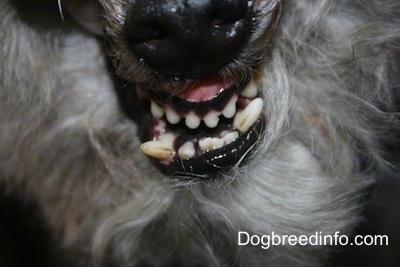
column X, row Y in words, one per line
column 193, row 121
column 211, row 119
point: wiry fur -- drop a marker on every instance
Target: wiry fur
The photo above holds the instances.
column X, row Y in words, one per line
column 329, row 85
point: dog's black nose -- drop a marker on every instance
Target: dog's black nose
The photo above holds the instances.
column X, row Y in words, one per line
column 188, row 38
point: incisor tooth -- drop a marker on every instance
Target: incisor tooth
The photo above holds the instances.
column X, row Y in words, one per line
column 211, row 119
column 192, row 120
column 172, row 117
column 186, row 151
column 208, row 143
column 156, row 110
column 217, row 142
column 230, row 137
column 230, row 109
column 160, row 149
column 245, row 118
column 250, row 91
column 205, row 144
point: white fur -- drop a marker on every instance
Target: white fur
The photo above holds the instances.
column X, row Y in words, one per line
column 327, row 86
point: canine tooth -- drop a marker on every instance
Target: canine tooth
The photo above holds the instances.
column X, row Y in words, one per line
column 172, row 117
column 211, row 119
column 156, row 110
column 230, row 109
column 245, row 118
column 192, row 120
column 250, row 91
column 186, row 151
column 230, row 137
column 160, row 149
column 208, row 143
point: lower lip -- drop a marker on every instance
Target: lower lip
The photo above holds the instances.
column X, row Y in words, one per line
column 209, row 164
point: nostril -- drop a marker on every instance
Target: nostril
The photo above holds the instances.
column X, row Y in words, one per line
column 228, row 16
column 141, row 27
column 147, row 38
column 228, row 11
column 148, row 33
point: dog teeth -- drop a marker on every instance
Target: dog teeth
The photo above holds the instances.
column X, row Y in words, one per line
column 172, row 117
column 230, row 137
column 192, row 121
column 156, row 110
column 230, row 109
column 245, row 118
column 211, row 119
column 163, row 148
column 187, row 151
column 160, row 149
column 250, row 91
column 210, row 143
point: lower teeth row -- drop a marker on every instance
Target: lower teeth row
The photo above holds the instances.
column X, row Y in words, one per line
column 187, row 150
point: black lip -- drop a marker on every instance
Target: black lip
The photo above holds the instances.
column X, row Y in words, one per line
column 221, row 160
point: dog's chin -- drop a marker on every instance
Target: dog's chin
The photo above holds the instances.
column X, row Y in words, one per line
column 204, row 130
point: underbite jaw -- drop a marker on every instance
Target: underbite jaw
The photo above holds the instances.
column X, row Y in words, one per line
column 208, row 127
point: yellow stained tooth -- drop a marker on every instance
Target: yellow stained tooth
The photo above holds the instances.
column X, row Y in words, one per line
column 245, row 118
column 160, row 149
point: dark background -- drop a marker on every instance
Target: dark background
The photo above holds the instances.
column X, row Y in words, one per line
column 26, row 241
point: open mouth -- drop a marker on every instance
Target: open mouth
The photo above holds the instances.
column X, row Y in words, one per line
column 210, row 126
column 193, row 66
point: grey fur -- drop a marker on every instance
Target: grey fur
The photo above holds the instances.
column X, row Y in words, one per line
column 328, row 83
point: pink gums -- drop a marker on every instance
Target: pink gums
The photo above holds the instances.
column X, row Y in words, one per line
column 205, row 89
